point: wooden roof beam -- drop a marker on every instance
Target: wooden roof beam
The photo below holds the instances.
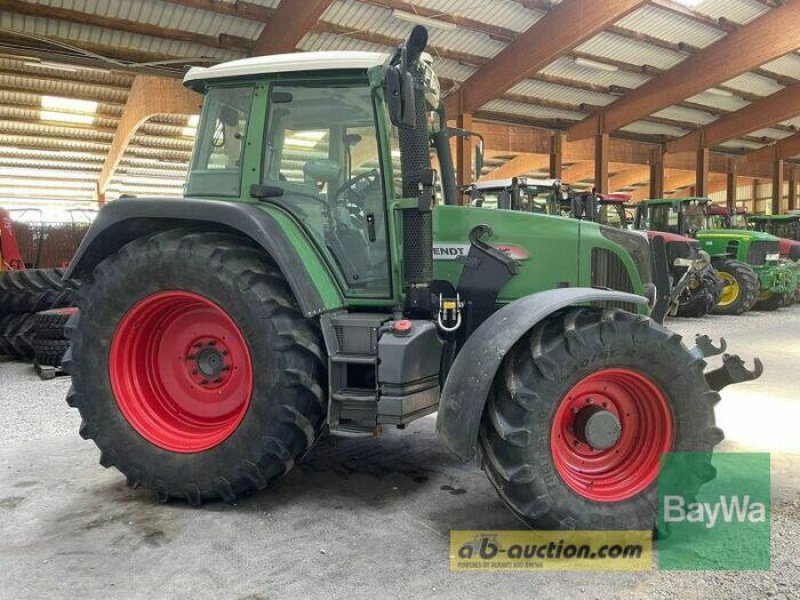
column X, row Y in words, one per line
column 780, row 150
column 780, row 106
column 149, row 96
column 569, row 24
column 767, row 38
column 519, row 165
column 289, row 23
column 493, row 31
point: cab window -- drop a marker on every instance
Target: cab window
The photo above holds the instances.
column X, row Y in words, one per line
column 217, row 163
column 323, row 151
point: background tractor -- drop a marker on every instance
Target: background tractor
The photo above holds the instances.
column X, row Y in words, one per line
column 787, row 229
column 516, row 193
column 308, row 283
column 748, row 261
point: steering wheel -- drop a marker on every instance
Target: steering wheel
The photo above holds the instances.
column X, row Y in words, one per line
column 368, row 179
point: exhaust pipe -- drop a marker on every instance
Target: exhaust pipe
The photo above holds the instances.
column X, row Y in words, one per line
column 415, row 167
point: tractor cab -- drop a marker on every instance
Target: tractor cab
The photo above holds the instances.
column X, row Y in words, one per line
column 786, row 227
column 720, row 217
column 612, row 210
column 688, row 216
column 517, row 193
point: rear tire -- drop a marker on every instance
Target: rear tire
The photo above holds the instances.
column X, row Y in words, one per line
column 742, row 292
column 49, row 352
column 16, row 336
column 182, row 285
column 621, row 360
column 35, row 290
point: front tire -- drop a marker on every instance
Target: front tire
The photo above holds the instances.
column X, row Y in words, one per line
column 742, row 289
column 770, row 301
column 608, row 362
column 192, row 367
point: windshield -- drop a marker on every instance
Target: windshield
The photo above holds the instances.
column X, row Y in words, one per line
column 694, row 217
column 717, row 222
column 613, row 215
column 323, row 150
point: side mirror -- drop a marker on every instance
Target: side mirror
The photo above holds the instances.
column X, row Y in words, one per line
column 400, row 98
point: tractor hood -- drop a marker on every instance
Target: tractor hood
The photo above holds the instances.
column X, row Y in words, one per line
column 740, row 234
column 668, row 237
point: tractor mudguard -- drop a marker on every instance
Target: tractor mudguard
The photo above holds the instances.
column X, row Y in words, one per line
column 467, row 386
column 127, row 219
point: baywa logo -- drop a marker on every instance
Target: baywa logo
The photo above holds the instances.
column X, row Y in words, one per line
column 729, row 509
column 725, row 524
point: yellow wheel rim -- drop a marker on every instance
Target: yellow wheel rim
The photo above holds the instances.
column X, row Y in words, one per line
column 731, row 290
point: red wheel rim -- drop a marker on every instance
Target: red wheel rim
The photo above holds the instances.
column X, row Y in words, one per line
column 630, row 465
column 181, row 372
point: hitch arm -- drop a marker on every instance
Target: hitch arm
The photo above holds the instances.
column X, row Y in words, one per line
column 733, row 371
column 704, row 347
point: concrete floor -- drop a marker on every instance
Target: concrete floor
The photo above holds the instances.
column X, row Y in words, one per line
column 357, row 519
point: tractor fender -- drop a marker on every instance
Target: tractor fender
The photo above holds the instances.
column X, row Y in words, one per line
column 471, row 376
column 127, row 219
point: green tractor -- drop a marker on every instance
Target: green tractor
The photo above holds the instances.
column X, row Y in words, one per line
column 308, row 283
column 747, row 261
column 787, row 229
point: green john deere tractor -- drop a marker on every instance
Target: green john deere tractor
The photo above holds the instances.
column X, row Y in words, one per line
column 308, row 284
column 748, row 261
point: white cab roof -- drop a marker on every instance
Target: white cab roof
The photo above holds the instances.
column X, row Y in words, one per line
column 285, row 63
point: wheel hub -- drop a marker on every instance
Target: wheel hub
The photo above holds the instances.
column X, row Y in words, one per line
column 208, row 363
column 597, row 427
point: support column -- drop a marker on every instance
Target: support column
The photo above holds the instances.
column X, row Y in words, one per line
column 556, row 155
column 464, row 152
column 701, row 173
column 793, row 188
column 731, row 184
column 754, row 203
column 657, row 172
column 777, row 186
column 601, row 163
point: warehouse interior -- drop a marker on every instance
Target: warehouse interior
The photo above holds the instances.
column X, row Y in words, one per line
column 644, row 105
column 653, row 98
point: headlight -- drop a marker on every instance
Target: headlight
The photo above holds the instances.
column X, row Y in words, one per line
column 683, row 262
column 775, row 256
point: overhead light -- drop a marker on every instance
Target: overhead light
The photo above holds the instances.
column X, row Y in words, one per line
column 719, row 92
column 71, row 104
column 51, row 65
column 292, row 141
column 193, row 120
column 51, row 115
column 43, row 64
column 585, row 62
column 310, row 135
column 689, row 3
column 420, row 20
